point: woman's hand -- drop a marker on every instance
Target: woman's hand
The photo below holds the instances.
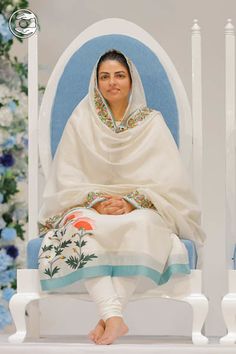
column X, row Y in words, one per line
column 113, row 205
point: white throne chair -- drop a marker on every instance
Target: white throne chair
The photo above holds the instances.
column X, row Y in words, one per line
column 68, row 84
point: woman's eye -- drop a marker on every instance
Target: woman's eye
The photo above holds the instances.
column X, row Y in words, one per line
column 103, row 77
column 121, row 75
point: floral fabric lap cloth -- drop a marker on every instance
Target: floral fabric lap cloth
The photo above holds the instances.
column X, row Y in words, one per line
column 85, row 244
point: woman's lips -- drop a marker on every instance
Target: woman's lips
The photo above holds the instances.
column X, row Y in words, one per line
column 113, row 90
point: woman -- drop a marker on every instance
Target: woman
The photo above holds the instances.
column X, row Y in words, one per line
column 117, row 199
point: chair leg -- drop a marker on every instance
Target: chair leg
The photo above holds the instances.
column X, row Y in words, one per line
column 33, row 320
column 199, row 305
column 17, row 307
column 229, row 313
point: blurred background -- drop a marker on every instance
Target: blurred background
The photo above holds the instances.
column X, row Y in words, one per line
column 169, row 22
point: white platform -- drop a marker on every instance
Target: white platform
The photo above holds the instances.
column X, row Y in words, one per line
column 127, row 344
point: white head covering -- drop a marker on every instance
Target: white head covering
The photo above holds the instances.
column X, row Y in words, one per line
column 137, row 98
column 136, row 104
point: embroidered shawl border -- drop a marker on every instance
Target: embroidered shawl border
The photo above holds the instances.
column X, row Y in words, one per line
column 106, row 117
column 135, row 198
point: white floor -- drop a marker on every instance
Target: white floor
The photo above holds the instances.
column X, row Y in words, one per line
column 128, row 344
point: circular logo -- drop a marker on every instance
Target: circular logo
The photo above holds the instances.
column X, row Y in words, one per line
column 23, row 23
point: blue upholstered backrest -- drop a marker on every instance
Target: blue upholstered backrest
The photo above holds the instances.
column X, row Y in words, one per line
column 73, row 84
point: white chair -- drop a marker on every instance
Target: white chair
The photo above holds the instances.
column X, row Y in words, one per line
column 171, row 100
column 229, row 300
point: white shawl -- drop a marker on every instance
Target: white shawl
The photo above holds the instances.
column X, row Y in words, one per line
column 93, row 157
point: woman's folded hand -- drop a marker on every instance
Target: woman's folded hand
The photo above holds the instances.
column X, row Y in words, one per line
column 113, row 205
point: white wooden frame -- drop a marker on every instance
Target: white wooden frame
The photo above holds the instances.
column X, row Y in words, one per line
column 29, row 290
column 197, row 109
column 229, row 300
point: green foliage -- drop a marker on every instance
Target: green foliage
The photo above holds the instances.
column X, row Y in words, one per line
column 73, row 262
column 65, row 244
column 8, row 187
column 59, row 249
column 19, row 230
column 86, row 259
column 80, row 243
column 22, row 70
column 52, row 272
column 47, row 248
column 5, row 47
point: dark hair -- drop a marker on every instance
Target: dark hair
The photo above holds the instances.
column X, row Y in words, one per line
column 114, row 54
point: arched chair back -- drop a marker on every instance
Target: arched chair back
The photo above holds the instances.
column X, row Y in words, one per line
column 70, row 79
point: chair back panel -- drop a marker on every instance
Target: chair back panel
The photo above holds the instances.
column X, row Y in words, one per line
column 74, row 82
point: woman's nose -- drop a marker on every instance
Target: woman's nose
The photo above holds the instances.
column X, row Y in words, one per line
column 112, row 80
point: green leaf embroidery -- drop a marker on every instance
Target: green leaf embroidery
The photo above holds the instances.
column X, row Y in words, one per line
column 47, row 272
column 73, row 262
column 47, row 248
column 83, row 243
column 59, row 249
column 55, row 270
column 77, row 243
column 89, row 257
column 65, row 244
column 85, row 259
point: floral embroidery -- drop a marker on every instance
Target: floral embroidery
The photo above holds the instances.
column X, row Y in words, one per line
column 135, row 198
column 102, row 110
column 70, row 217
column 84, row 223
column 54, row 251
column 106, row 117
column 138, row 117
column 59, row 220
column 49, row 223
column 92, row 198
column 139, row 199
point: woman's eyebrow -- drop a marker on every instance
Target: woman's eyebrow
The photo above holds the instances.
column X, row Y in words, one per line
column 116, row 72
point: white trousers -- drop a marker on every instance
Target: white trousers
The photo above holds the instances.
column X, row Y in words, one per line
column 111, row 294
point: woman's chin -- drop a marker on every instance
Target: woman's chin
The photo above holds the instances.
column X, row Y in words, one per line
column 115, row 99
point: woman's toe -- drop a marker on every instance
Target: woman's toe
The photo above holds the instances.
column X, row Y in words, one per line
column 91, row 335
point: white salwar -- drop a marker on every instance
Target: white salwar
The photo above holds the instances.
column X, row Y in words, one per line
column 96, row 155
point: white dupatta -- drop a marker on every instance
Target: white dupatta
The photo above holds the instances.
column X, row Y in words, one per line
column 92, row 156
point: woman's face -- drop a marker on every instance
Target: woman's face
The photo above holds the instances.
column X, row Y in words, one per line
column 114, row 82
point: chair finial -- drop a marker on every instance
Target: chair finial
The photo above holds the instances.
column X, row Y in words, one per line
column 229, row 28
column 195, row 28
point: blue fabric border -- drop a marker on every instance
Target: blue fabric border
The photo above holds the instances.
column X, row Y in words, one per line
column 118, row 271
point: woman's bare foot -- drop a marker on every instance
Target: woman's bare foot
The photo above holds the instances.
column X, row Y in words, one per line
column 97, row 332
column 115, row 328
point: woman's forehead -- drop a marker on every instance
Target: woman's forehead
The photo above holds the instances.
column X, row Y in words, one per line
column 112, row 66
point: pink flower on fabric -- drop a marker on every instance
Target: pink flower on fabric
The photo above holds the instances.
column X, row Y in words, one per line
column 72, row 216
column 84, row 223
